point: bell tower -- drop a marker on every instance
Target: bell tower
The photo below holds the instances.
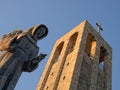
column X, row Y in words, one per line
column 80, row 60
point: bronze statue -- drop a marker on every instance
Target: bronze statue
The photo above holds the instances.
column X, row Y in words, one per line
column 19, row 52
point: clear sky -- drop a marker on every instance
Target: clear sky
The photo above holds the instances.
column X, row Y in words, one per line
column 60, row 16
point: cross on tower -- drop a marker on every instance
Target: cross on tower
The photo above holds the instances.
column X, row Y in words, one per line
column 99, row 27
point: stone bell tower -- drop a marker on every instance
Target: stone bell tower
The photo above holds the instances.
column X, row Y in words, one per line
column 80, row 60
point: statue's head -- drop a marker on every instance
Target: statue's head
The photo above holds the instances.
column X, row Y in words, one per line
column 39, row 31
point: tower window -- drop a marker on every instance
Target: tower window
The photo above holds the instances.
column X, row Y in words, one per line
column 47, row 88
column 67, row 63
column 52, row 73
column 58, row 51
column 90, row 46
column 101, row 58
column 64, row 78
column 72, row 42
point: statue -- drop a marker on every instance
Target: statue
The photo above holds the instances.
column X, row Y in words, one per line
column 19, row 52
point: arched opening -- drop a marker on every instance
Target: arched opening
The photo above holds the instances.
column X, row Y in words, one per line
column 58, row 51
column 103, row 53
column 72, row 42
column 90, row 46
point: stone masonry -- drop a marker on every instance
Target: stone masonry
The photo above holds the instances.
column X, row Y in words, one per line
column 80, row 60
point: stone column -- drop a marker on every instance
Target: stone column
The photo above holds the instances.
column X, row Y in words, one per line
column 108, row 71
column 94, row 69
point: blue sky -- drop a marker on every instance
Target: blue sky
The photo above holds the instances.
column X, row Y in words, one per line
column 60, row 17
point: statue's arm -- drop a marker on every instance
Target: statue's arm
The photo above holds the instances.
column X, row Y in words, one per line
column 21, row 35
column 31, row 65
column 8, row 41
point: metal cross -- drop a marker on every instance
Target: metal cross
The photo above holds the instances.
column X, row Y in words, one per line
column 99, row 27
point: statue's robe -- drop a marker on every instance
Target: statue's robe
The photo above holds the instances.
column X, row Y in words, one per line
column 11, row 62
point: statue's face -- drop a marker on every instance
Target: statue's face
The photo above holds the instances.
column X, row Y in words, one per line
column 40, row 32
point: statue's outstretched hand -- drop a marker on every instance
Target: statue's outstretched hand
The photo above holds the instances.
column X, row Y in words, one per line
column 31, row 65
column 39, row 58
